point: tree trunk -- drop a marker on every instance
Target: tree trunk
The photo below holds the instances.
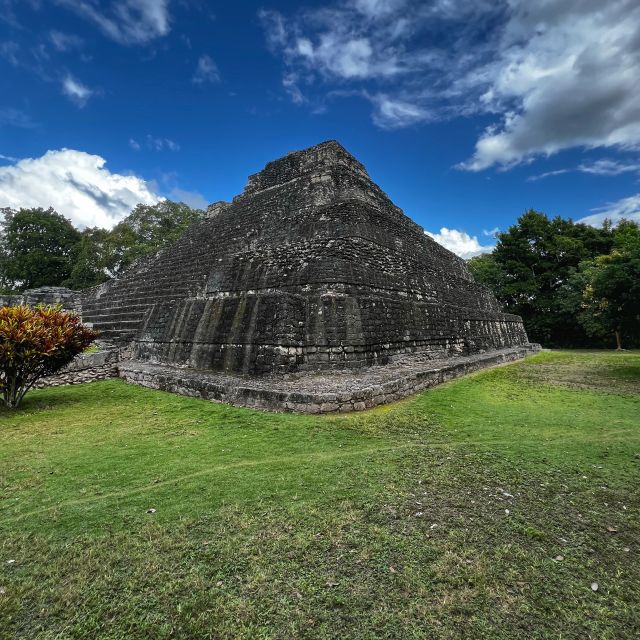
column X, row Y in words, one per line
column 618, row 341
column 11, row 392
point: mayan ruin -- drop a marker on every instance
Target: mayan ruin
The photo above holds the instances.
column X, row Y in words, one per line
column 312, row 268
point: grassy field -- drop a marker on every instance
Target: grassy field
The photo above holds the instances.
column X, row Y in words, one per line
column 485, row 508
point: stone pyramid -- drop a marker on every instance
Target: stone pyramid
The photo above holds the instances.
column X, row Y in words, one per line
column 311, row 268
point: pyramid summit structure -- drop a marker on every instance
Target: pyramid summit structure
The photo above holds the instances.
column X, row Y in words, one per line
column 311, row 268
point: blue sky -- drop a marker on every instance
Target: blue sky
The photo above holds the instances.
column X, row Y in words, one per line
column 466, row 114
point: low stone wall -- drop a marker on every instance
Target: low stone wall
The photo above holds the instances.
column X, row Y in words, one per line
column 68, row 299
column 317, row 393
column 87, row 367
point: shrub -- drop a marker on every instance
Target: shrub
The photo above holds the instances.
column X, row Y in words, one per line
column 36, row 342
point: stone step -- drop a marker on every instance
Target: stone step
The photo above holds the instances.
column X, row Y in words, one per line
column 117, row 336
column 128, row 303
column 117, row 325
column 123, row 313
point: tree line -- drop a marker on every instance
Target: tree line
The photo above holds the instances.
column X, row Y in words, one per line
column 573, row 284
column 40, row 247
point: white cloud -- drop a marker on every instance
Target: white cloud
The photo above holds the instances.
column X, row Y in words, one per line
column 338, row 44
column 274, row 27
column 76, row 91
column 76, row 184
column 65, row 41
column 565, row 75
column 373, row 48
column 460, row 242
column 548, row 174
column 206, row 71
column 134, row 144
column 491, row 233
column 552, row 74
column 10, row 51
column 378, row 8
column 391, row 113
column 160, row 144
column 602, row 167
column 628, row 208
column 606, row 167
column 290, row 84
column 126, row 21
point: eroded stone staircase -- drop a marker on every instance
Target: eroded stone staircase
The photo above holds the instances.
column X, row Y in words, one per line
column 117, row 309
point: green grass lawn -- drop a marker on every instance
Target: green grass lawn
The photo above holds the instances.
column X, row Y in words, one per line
column 484, row 508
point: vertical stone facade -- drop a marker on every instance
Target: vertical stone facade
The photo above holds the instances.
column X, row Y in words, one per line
column 312, row 267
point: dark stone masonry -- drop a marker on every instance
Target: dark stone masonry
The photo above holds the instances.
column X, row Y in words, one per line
column 311, row 269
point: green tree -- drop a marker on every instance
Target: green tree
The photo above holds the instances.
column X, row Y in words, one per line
column 145, row 230
column 612, row 294
column 533, row 263
column 486, row 270
column 89, row 265
column 37, row 248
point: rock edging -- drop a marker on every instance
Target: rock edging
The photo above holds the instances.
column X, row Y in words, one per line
column 355, row 392
column 86, row 367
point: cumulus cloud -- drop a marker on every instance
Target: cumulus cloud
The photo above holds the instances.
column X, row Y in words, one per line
column 553, row 75
column 206, row 71
column 460, row 242
column 566, row 75
column 128, row 22
column 628, row 208
column 76, row 91
column 76, row 184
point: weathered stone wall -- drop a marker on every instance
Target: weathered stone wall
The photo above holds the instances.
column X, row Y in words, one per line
column 311, row 267
column 87, row 367
column 69, row 299
column 316, row 393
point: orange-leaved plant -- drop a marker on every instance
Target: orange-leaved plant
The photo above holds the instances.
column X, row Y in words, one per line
column 36, row 342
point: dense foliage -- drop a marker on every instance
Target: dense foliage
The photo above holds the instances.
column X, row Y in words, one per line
column 573, row 284
column 145, row 230
column 37, row 248
column 35, row 343
column 40, row 247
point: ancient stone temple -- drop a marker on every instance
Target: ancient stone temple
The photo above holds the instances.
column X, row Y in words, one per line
column 312, row 268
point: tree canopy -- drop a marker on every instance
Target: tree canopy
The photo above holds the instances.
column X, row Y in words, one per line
column 145, row 230
column 37, row 248
column 40, row 247
column 557, row 274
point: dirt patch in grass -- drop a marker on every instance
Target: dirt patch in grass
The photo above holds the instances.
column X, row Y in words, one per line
column 610, row 371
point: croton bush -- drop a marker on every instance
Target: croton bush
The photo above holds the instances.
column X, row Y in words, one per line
column 36, row 342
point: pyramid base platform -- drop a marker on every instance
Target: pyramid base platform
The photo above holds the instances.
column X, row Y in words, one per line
column 318, row 392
